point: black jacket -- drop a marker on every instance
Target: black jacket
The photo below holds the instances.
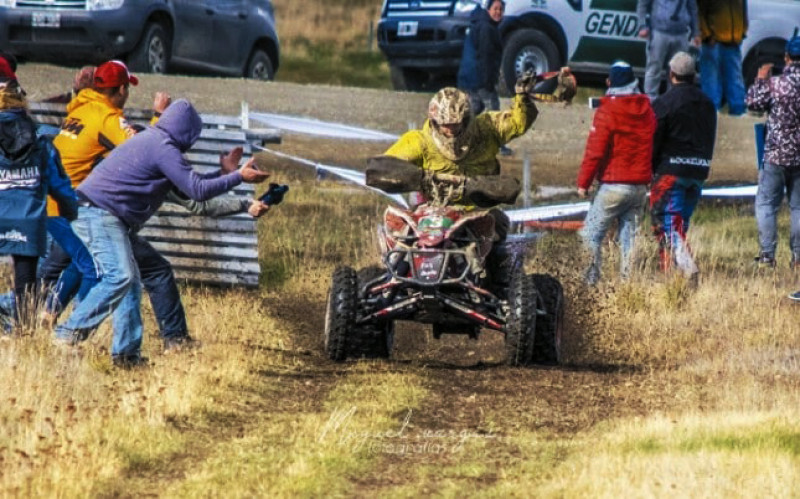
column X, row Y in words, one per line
column 480, row 60
column 687, row 128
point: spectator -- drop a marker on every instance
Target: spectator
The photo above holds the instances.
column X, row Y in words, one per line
column 723, row 24
column 480, row 60
column 618, row 154
column 93, row 127
column 116, row 199
column 682, row 149
column 668, row 26
column 779, row 96
column 29, row 169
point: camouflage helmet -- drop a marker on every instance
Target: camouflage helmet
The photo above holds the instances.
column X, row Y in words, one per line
column 449, row 106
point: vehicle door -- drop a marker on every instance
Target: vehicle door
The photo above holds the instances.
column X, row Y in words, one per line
column 609, row 31
column 231, row 20
column 193, row 30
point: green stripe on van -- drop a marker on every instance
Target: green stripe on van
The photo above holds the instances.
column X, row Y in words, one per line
column 604, row 50
column 618, row 5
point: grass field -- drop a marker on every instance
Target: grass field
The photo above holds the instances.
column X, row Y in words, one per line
column 667, row 391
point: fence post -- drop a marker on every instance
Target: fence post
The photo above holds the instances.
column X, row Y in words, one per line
column 526, row 179
column 370, row 35
column 245, row 116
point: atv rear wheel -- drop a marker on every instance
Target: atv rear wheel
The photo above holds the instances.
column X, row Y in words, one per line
column 521, row 321
column 549, row 327
column 340, row 313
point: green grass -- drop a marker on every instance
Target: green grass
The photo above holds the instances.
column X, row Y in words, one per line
column 321, row 63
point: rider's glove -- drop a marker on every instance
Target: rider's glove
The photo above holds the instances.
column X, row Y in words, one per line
column 525, row 83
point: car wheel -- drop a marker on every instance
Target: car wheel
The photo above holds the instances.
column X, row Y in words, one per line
column 526, row 49
column 768, row 51
column 152, row 54
column 260, row 66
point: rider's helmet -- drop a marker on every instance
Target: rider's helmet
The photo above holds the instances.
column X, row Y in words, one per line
column 450, row 115
column 450, row 106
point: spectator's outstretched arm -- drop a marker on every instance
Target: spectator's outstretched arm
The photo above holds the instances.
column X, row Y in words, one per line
column 219, row 206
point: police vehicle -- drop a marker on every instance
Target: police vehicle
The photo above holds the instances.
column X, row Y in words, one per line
column 423, row 39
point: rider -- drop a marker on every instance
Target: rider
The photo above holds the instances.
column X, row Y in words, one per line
column 454, row 142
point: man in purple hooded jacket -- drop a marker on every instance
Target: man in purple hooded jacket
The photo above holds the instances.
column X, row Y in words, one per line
column 116, row 199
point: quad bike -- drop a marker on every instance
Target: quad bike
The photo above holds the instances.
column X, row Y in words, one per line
column 434, row 272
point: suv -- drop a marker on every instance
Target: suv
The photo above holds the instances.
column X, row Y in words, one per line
column 232, row 37
column 423, row 39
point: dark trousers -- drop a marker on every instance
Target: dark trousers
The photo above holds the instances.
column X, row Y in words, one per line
column 25, row 285
column 157, row 278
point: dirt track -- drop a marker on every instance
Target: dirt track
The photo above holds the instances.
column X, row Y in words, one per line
column 466, row 379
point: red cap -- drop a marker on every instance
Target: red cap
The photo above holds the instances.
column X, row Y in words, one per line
column 113, row 74
column 6, row 72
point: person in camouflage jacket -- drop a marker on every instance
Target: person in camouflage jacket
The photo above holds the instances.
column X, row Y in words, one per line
column 779, row 96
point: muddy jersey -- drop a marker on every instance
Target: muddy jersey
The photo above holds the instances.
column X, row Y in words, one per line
column 92, row 129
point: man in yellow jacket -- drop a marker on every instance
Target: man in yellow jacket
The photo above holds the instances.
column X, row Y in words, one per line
column 454, row 142
column 723, row 26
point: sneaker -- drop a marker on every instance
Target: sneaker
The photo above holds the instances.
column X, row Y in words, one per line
column 765, row 260
column 129, row 361
column 180, row 343
column 795, row 296
column 506, row 151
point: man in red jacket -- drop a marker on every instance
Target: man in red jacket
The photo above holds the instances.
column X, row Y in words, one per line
column 618, row 154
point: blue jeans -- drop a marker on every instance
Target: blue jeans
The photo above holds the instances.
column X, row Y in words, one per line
column 622, row 203
column 119, row 290
column 721, row 76
column 773, row 182
column 69, row 267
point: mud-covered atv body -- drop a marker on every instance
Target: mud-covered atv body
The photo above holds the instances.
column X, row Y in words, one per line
column 434, row 272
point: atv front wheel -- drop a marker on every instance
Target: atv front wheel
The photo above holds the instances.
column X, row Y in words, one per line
column 372, row 341
column 549, row 327
column 340, row 313
column 521, row 320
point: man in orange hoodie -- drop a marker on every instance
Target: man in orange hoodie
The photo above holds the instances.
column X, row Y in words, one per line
column 618, row 154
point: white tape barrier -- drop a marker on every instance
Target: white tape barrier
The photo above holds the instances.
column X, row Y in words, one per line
column 549, row 212
column 352, row 176
column 311, row 126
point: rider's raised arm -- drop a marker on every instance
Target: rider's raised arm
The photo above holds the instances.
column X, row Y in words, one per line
column 513, row 122
column 409, row 147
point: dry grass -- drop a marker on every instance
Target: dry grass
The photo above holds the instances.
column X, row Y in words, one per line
column 667, row 391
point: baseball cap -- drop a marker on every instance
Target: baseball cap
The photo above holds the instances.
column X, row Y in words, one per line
column 682, row 64
column 113, row 74
column 621, row 74
column 793, row 46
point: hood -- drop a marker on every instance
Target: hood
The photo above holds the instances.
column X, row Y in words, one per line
column 182, row 123
column 87, row 96
column 628, row 110
column 17, row 134
column 480, row 15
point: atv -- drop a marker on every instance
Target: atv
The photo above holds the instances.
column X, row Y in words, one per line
column 434, row 272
